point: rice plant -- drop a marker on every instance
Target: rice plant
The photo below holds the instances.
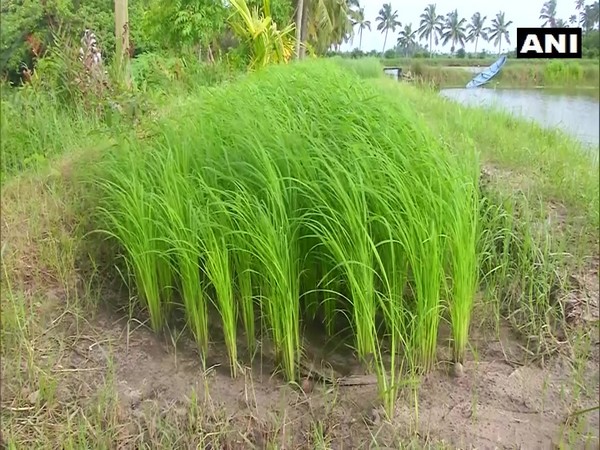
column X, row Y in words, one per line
column 301, row 193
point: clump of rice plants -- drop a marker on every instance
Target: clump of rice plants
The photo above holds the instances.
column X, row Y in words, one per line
column 300, row 192
column 363, row 67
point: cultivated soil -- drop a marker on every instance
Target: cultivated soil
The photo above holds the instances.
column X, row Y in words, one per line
column 503, row 398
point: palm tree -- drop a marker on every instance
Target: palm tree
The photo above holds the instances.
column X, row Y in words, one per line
column 388, row 20
column 362, row 25
column 561, row 23
column 589, row 15
column 476, row 29
column 325, row 23
column 454, row 30
column 407, row 38
column 430, row 27
column 572, row 19
column 499, row 30
column 593, row 14
column 548, row 13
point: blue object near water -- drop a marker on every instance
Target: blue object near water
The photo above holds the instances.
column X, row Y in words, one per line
column 487, row 74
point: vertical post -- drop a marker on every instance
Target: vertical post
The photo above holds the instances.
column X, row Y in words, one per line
column 122, row 39
column 299, row 11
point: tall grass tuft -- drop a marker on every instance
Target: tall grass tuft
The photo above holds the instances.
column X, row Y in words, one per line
column 301, row 193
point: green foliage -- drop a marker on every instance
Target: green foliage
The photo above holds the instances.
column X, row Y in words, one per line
column 156, row 72
column 591, row 44
column 563, row 71
column 28, row 27
column 184, row 23
column 280, row 10
column 262, row 40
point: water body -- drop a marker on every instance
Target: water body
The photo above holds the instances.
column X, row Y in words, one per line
column 576, row 113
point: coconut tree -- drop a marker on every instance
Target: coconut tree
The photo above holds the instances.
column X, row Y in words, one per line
column 548, row 14
column 430, row 27
column 592, row 13
column 362, row 24
column 499, row 30
column 325, row 23
column 572, row 19
column 407, row 39
column 562, row 23
column 387, row 20
column 454, row 30
column 476, row 29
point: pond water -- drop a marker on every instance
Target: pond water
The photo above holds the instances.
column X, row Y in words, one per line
column 577, row 113
column 470, row 69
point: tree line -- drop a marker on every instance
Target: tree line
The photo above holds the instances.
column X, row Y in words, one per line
column 30, row 27
column 451, row 28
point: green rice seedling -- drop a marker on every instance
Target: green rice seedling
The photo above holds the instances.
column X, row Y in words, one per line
column 339, row 220
column 128, row 214
column 181, row 226
column 244, row 286
column 462, row 240
column 215, row 246
column 364, row 68
column 309, row 194
column 276, row 267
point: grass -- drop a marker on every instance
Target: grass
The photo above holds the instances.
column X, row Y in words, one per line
column 516, row 73
column 304, row 213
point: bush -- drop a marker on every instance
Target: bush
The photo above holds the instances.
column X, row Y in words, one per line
column 390, row 53
column 154, row 71
column 559, row 70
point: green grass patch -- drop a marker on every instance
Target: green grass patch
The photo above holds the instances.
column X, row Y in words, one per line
column 516, row 73
column 364, row 67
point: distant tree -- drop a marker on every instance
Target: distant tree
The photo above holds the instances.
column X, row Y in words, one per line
column 476, row 29
column 407, row 39
column 499, row 30
column 548, row 14
column 430, row 27
column 454, row 30
column 572, row 19
column 592, row 16
column 387, row 20
column 362, row 24
column 561, row 23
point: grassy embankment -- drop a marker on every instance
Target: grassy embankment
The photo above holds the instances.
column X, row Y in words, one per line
column 337, row 203
column 446, row 72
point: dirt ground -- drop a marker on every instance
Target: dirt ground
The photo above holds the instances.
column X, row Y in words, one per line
column 504, row 399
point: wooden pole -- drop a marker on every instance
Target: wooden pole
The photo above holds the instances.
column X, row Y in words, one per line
column 299, row 11
column 122, row 39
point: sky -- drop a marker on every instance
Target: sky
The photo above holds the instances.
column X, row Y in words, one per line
column 523, row 13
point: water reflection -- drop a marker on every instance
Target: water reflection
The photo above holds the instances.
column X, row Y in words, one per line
column 576, row 113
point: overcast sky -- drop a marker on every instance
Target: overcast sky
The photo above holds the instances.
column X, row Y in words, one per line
column 523, row 13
